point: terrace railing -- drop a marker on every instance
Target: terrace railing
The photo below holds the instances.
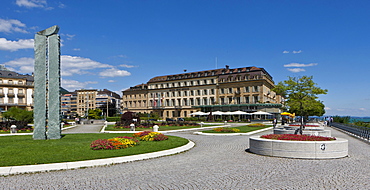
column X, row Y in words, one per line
column 359, row 131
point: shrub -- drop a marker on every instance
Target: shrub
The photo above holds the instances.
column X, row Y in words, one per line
column 293, row 137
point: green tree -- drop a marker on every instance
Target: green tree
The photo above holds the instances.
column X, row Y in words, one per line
column 95, row 113
column 301, row 95
column 18, row 114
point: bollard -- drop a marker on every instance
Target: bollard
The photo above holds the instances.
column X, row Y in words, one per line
column 13, row 129
column 225, row 122
column 132, row 127
column 155, row 128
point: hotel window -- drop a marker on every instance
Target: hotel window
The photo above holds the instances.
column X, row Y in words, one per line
column 230, row 90
column 205, row 92
column 198, row 93
column 191, row 92
column 246, row 89
column 1, row 81
column 10, row 82
column 212, row 91
column 205, row 82
column 10, row 100
column 222, row 90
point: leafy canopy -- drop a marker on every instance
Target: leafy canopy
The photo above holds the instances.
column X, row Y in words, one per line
column 301, row 95
column 18, row 114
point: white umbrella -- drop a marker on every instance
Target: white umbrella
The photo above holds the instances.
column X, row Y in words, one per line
column 261, row 113
column 199, row 113
column 228, row 113
column 218, row 113
column 240, row 113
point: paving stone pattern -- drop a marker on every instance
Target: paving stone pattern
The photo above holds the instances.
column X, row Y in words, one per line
column 216, row 162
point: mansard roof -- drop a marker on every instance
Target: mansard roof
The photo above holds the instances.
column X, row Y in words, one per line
column 14, row 75
column 213, row 72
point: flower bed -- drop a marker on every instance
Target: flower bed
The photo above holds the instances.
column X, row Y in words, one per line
column 226, row 130
column 293, row 137
column 256, row 125
column 126, row 142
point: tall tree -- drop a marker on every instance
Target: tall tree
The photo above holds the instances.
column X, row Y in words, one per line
column 301, row 95
column 18, row 114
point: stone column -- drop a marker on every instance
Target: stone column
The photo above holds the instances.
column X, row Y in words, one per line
column 47, row 85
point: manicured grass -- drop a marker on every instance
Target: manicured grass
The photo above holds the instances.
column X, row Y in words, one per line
column 161, row 128
column 243, row 129
column 23, row 150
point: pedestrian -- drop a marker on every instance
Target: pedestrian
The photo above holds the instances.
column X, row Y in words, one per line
column 274, row 122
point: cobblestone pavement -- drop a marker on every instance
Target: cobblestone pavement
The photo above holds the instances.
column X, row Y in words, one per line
column 216, row 162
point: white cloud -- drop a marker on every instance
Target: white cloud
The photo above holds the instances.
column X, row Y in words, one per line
column 296, row 70
column 72, row 85
column 76, row 49
column 12, row 25
column 285, row 51
column 70, row 65
column 79, row 65
column 31, row 3
column 300, row 65
column 126, row 66
column 362, row 109
column 111, row 81
column 327, row 108
column 70, row 36
column 8, row 45
column 113, row 72
column 300, row 51
column 23, row 65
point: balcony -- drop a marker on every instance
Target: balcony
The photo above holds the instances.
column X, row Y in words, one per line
column 11, row 94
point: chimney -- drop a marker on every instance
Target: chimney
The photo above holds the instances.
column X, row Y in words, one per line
column 227, row 66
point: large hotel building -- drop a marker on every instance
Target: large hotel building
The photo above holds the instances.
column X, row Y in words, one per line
column 172, row 96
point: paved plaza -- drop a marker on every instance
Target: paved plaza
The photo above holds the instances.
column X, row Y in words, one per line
column 216, row 162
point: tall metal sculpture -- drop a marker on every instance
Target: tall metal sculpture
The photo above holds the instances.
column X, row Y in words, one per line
column 47, row 121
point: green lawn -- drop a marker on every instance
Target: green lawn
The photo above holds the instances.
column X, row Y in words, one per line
column 243, row 129
column 161, row 128
column 23, row 150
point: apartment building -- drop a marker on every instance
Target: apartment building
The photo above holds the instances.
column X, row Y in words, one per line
column 172, row 96
column 16, row 90
column 93, row 99
column 69, row 105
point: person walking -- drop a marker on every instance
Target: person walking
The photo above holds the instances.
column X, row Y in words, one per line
column 274, row 122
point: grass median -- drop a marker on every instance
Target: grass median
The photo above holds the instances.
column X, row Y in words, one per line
column 23, row 150
column 243, row 129
column 161, row 128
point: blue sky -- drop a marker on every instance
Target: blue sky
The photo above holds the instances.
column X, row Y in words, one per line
column 117, row 44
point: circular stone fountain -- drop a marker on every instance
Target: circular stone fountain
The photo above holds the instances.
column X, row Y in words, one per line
column 310, row 129
column 299, row 149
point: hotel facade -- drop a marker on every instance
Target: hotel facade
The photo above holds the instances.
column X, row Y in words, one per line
column 246, row 89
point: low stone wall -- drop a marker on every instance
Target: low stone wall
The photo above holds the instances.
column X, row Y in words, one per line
column 324, row 133
column 299, row 149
